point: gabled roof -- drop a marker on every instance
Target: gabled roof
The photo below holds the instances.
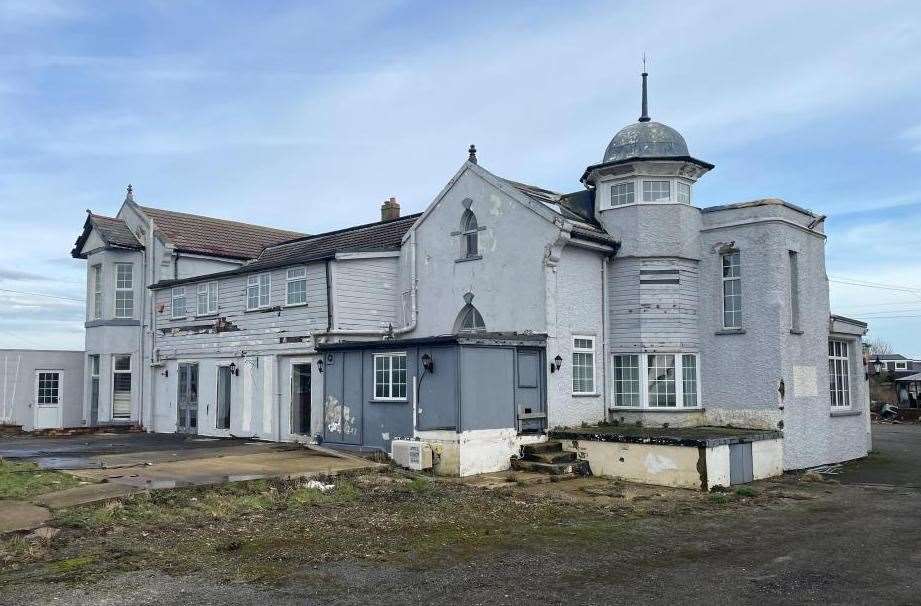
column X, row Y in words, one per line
column 380, row 236
column 114, row 232
column 891, row 357
column 202, row 235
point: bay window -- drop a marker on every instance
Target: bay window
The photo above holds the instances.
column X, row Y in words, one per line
column 660, row 380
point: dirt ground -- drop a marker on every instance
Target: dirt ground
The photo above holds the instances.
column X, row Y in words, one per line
column 385, row 539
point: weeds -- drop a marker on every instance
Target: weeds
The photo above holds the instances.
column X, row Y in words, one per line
column 26, row 480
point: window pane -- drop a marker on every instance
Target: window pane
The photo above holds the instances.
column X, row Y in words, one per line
column 654, row 191
column 661, row 380
column 689, row 380
column 622, row 193
column 297, row 289
column 124, row 303
column 839, row 373
column 684, row 193
column 626, row 380
column 583, row 370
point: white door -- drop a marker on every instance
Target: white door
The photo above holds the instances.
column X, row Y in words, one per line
column 46, row 406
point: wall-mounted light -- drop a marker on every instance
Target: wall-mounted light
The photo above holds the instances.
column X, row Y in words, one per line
column 877, row 364
column 556, row 363
column 428, row 363
column 165, row 372
column 234, row 370
column 320, row 366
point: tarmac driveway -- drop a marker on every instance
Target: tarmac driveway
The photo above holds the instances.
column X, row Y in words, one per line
column 149, row 460
column 894, row 461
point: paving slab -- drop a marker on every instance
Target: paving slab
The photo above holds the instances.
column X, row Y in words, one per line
column 17, row 515
column 82, row 495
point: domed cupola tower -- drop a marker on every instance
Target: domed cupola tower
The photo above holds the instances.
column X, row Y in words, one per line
column 644, row 188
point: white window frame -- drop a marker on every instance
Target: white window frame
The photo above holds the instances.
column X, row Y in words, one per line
column 629, row 197
column 294, row 279
column 178, row 293
column 583, row 350
column 49, row 395
column 263, row 290
column 901, row 365
column 126, row 291
column 642, row 361
column 839, row 365
column 682, row 188
column 116, row 371
column 650, row 182
column 206, row 292
column 389, row 381
column 96, row 277
column 724, row 280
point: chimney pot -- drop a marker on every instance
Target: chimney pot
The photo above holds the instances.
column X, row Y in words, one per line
column 390, row 210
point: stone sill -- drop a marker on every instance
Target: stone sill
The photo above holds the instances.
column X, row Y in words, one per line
column 845, row 413
column 657, row 409
column 464, row 259
column 794, row 331
column 730, row 331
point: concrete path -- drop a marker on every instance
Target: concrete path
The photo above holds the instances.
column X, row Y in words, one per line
column 82, row 495
column 16, row 515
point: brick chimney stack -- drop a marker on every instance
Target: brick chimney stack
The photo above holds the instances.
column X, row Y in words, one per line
column 390, row 210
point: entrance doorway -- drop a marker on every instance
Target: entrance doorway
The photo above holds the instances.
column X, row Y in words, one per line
column 47, row 408
column 222, row 416
column 300, row 399
column 187, row 398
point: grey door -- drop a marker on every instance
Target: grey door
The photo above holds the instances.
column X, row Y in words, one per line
column 529, row 390
column 300, row 398
column 222, row 420
column 187, row 399
column 344, row 403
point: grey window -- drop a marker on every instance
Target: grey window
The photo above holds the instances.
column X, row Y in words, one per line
column 583, row 365
column 469, row 320
column 97, row 291
column 390, row 376
column 470, row 229
column 838, row 373
column 661, row 380
column 206, row 299
column 732, row 289
column 794, row 291
column 121, row 387
column 296, row 286
column 178, row 302
column 257, row 291
column 622, row 193
column 626, row 380
column 124, row 290
column 48, row 388
column 684, row 192
column 657, row 191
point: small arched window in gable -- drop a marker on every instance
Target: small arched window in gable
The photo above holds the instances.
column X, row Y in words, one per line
column 470, row 246
column 469, row 318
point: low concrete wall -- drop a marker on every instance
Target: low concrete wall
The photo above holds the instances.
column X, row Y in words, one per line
column 477, row 451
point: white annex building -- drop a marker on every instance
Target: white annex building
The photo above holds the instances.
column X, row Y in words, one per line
column 500, row 315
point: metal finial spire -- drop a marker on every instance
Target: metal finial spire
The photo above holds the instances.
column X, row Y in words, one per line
column 645, row 116
column 471, row 151
column 129, row 197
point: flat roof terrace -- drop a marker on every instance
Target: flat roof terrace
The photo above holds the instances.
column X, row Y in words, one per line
column 697, row 437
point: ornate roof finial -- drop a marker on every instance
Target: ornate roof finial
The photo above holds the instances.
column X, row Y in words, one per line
column 129, row 197
column 471, row 151
column 645, row 116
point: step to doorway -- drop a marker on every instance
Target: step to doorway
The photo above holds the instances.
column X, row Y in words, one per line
column 550, row 458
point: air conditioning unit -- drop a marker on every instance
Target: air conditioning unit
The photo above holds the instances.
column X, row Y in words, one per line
column 411, row 454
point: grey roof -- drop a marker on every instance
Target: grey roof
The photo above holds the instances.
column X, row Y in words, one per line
column 380, row 236
column 645, row 140
column 215, row 237
column 890, row 357
column 909, row 378
column 760, row 202
column 114, row 232
column 577, row 206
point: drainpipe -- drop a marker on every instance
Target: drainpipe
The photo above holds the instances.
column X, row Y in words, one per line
column 414, row 310
column 605, row 261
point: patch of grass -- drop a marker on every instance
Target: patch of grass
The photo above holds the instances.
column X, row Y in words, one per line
column 746, row 491
column 719, row 498
column 26, row 480
column 70, row 564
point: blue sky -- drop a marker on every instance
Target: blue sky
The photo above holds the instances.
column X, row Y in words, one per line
column 307, row 116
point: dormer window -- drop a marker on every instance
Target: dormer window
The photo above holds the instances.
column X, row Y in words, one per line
column 622, row 193
column 470, row 245
column 657, row 191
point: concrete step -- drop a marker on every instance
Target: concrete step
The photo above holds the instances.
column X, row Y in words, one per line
column 563, row 456
column 579, row 468
column 539, row 447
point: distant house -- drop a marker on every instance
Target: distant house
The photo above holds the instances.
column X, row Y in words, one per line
column 894, row 363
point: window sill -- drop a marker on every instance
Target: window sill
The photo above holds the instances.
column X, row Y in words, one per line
column 795, row 331
column 593, row 394
column 845, row 413
column 393, row 401
column 288, row 306
column 730, row 331
column 464, row 259
column 211, row 315
column 655, row 409
column 262, row 310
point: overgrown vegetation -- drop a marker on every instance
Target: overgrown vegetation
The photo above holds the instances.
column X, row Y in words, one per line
column 27, row 480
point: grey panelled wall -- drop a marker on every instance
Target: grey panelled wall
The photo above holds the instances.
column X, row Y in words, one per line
column 438, row 406
column 249, row 331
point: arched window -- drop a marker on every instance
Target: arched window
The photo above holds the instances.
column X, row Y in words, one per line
column 469, row 229
column 469, row 319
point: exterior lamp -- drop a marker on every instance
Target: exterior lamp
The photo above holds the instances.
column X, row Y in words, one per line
column 320, row 366
column 557, row 363
column 233, row 369
column 877, row 364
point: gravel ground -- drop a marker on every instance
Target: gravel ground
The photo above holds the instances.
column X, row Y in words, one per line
column 856, row 542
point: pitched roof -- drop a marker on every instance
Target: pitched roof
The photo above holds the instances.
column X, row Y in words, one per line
column 380, row 236
column 578, row 207
column 114, row 232
column 218, row 237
